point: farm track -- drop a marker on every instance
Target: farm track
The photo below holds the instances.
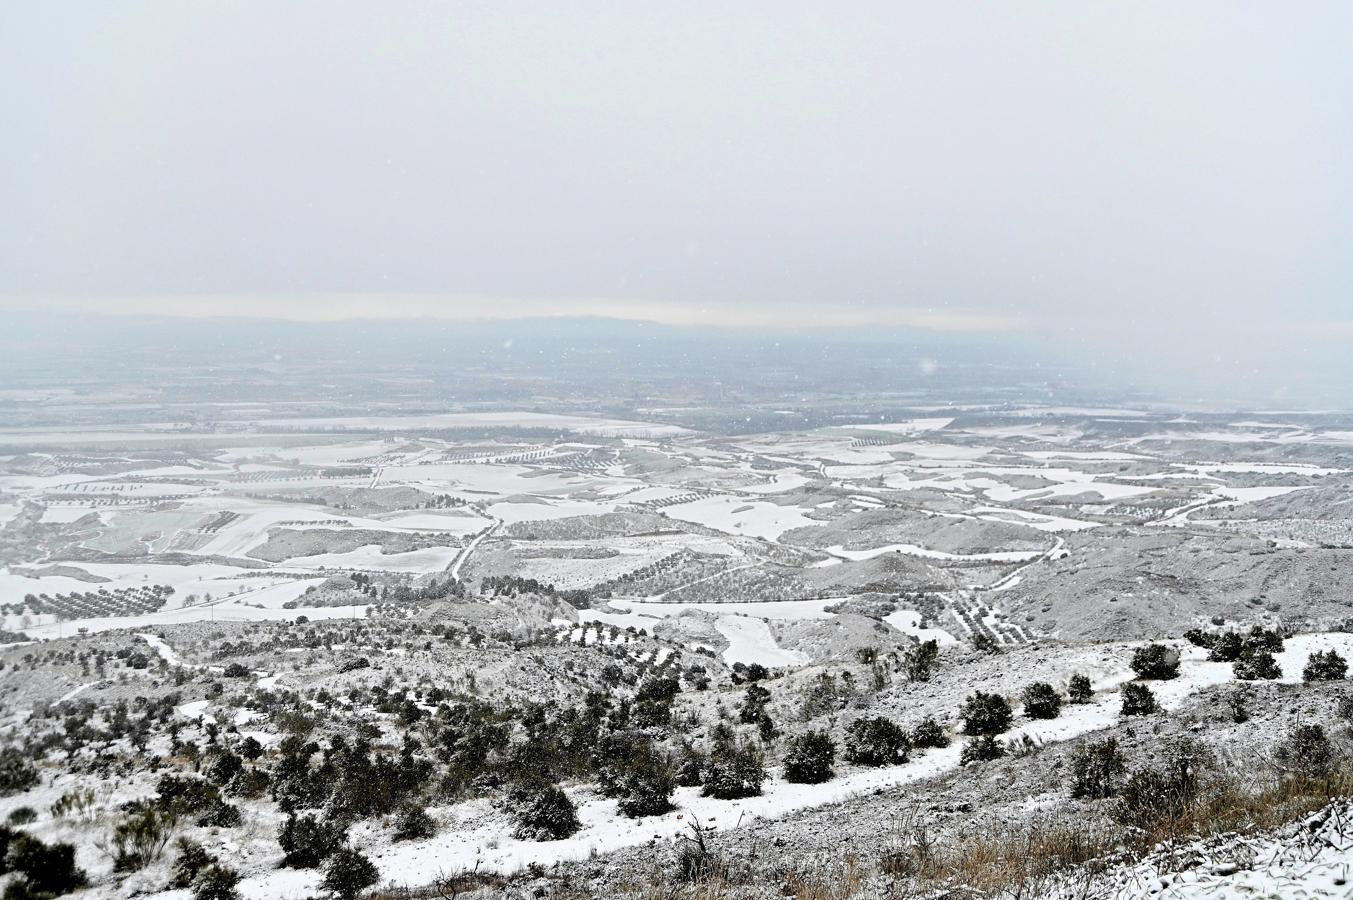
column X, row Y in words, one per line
column 465, row 554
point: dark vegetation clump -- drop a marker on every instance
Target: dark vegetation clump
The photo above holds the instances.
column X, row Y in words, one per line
column 1155, row 662
column 982, row 749
column 1041, row 701
column 876, row 741
column 734, row 771
column 809, row 758
column 986, row 714
column 1096, row 768
column 541, row 812
column 1138, row 700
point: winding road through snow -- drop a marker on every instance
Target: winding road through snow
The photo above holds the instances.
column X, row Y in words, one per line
column 460, row 560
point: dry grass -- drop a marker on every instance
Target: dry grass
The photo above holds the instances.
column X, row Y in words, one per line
column 1015, row 862
column 1229, row 804
column 1019, row 862
column 452, row 887
column 1009, row 862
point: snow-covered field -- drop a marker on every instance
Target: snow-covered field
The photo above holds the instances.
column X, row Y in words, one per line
column 736, row 515
column 1007, row 556
column 632, row 515
column 579, row 424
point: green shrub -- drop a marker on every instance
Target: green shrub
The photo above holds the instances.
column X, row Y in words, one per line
column 982, row 749
column 78, row 803
column 17, row 774
column 753, row 704
column 1155, row 662
column 1151, row 796
column 1078, row 690
column 690, row 765
column 734, row 772
column 1307, row 752
column 631, row 767
column 1257, row 665
column 307, row 841
column 216, row 882
column 986, row 714
column 413, row 823
column 22, row 815
column 48, row 870
column 1138, row 700
column 1096, row 767
column 139, row 840
column 921, row 660
column 1264, row 639
column 929, row 734
column 192, row 859
column 876, row 741
column 348, row 874
column 1226, row 647
column 541, row 812
column 1041, row 701
column 808, row 759
column 219, row 815
column 185, row 796
column 647, row 788
column 1325, row 665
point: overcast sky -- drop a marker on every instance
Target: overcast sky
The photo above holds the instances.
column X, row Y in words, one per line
column 1057, row 167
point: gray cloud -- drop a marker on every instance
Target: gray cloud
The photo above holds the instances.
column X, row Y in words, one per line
column 1098, row 170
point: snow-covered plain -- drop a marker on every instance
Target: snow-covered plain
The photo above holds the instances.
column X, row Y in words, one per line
column 736, row 515
column 579, row 424
column 1007, row 556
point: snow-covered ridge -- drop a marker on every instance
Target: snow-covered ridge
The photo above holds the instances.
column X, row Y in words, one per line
column 479, row 835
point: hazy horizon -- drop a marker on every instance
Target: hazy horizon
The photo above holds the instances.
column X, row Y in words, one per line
column 1161, row 188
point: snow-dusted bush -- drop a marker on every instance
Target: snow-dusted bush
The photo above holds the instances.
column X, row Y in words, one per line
column 216, row 882
column 1078, row 689
column 17, row 773
column 646, row 788
column 734, row 772
column 541, row 812
column 809, row 758
column 1325, row 665
column 348, row 873
column 753, row 704
column 982, row 749
column 22, row 815
column 1257, row 665
column 1138, row 700
column 138, row 840
column 876, row 741
column 413, row 822
column 1155, row 662
column 1226, row 647
column 928, row 734
column 986, row 714
column 690, row 765
column 1041, row 701
column 1150, row 796
column 921, row 660
column 1307, row 752
column 44, row 870
column 192, row 859
column 1096, row 767
column 308, row 841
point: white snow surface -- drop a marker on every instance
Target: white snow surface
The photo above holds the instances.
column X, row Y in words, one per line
column 1003, row 556
column 738, row 515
